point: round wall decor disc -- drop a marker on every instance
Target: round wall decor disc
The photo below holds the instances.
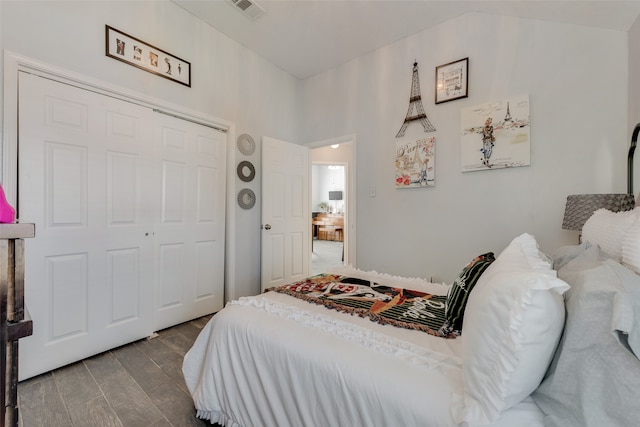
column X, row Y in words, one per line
column 246, row 171
column 246, row 144
column 246, row 198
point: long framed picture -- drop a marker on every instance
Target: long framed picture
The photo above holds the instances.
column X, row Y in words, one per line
column 133, row 51
column 452, row 81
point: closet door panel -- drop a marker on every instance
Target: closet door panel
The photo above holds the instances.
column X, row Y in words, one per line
column 66, row 277
column 171, row 276
column 123, row 200
column 192, row 159
column 85, row 180
column 125, row 299
column 207, row 266
column 207, row 185
column 174, row 187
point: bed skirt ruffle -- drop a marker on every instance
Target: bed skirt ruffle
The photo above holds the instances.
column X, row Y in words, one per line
column 217, row 417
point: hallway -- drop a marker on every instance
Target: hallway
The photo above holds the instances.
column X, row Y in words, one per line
column 326, row 254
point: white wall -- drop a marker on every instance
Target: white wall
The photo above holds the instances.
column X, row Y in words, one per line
column 228, row 81
column 577, row 81
column 576, row 77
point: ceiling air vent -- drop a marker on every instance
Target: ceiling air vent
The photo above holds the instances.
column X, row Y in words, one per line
column 248, row 8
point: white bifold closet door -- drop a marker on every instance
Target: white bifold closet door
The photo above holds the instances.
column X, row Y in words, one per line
column 189, row 226
column 129, row 211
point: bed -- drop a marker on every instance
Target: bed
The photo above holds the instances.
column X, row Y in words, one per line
column 530, row 342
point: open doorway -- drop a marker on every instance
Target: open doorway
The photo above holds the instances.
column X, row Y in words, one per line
column 328, row 192
column 332, row 205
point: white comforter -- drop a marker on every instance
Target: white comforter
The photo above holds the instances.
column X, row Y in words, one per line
column 274, row 360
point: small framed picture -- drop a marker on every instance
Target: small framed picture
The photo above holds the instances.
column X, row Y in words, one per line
column 133, row 51
column 452, row 81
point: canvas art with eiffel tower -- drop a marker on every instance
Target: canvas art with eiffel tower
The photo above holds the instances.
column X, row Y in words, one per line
column 415, row 163
column 496, row 134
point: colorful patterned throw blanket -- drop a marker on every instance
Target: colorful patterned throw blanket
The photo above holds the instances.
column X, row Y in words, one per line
column 383, row 304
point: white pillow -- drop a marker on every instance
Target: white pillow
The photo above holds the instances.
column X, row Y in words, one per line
column 631, row 247
column 608, row 229
column 512, row 325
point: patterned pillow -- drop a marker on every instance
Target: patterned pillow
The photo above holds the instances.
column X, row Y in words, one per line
column 459, row 293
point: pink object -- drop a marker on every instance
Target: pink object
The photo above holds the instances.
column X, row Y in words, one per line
column 7, row 213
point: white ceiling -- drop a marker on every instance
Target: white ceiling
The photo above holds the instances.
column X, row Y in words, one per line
column 307, row 37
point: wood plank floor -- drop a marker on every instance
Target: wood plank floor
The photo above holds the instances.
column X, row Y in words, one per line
column 140, row 384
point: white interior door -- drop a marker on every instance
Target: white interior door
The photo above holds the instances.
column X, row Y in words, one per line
column 84, row 180
column 286, row 216
column 190, row 230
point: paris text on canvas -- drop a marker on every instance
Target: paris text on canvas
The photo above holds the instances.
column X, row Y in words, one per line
column 415, row 163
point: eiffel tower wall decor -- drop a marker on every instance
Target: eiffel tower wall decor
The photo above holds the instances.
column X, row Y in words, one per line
column 415, row 163
column 496, row 135
column 416, row 110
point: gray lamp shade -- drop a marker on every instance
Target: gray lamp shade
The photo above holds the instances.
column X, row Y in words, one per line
column 335, row 195
column 581, row 206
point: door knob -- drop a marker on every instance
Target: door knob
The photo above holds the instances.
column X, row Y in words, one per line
column 267, row 227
